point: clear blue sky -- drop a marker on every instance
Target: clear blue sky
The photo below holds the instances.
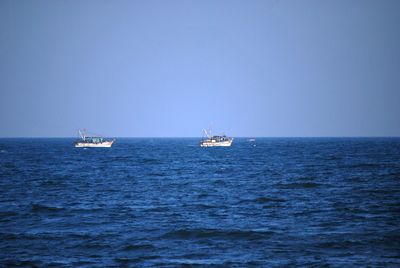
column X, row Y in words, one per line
column 171, row 68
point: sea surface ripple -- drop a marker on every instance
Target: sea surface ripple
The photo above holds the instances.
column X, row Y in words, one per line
column 275, row 202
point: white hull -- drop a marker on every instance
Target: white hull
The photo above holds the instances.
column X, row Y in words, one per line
column 216, row 144
column 105, row 144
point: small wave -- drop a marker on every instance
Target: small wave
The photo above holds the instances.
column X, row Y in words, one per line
column 219, row 182
column 203, row 195
column 338, row 244
column 119, row 159
column 379, row 191
column 306, row 178
column 217, row 234
column 22, row 263
column 150, row 161
column 34, row 235
column 205, row 206
column 200, row 206
column 157, row 209
column 393, row 256
column 44, row 208
column 300, row 185
column 308, row 212
column 364, row 165
column 9, row 165
column 125, row 261
column 80, row 236
column 85, row 263
column 262, row 200
column 334, row 157
column 268, row 199
column 138, row 247
column 57, row 183
column 88, row 235
column 4, row 214
column 224, row 170
column 87, row 209
column 8, row 236
column 157, row 174
column 94, row 245
column 190, row 262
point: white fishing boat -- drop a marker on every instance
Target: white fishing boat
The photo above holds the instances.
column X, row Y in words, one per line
column 92, row 141
column 211, row 141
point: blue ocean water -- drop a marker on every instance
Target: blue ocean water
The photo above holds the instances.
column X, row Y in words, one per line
column 277, row 202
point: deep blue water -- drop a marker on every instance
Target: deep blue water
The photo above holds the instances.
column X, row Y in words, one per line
column 169, row 203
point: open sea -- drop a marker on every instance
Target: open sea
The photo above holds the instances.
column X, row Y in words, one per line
column 275, row 202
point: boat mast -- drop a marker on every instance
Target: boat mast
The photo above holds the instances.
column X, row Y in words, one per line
column 82, row 134
column 208, row 133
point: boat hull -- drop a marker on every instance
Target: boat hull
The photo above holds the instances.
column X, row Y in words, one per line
column 105, row 144
column 216, row 144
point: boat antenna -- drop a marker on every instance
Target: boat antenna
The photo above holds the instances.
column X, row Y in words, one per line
column 82, row 134
column 206, row 132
